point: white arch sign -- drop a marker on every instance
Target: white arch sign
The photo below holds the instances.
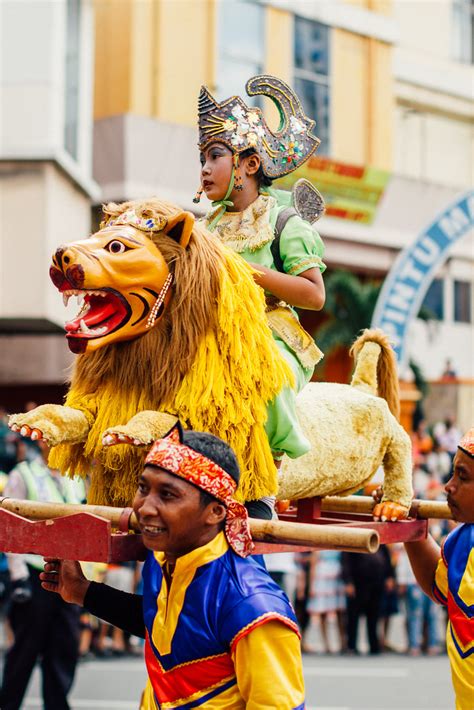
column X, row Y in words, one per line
column 406, row 284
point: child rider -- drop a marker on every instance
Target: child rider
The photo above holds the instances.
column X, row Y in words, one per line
column 240, row 156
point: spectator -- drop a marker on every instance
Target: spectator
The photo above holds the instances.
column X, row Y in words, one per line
column 389, row 607
column 450, row 437
column 422, row 443
column 303, row 567
column 420, row 611
column 281, row 567
column 327, row 596
column 7, row 444
column 44, row 627
column 449, row 373
column 120, row 576
column 365, row 578
column 438, row 462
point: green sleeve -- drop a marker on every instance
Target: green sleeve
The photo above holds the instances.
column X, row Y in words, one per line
column 301, row 247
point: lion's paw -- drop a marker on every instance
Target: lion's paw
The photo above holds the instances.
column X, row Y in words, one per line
column 53, row 423
column 121, row 435
column 142, row 429
column 389, row 511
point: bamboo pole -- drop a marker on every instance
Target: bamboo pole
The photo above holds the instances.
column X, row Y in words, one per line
column 270, row 531
column 323, row 537
column 38, row 510
column 364, row 504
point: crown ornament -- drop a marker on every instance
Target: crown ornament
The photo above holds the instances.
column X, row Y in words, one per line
column 131, row 218
column 241, row 127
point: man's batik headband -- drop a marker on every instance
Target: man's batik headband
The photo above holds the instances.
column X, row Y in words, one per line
column 467, row 442
column 173, row 456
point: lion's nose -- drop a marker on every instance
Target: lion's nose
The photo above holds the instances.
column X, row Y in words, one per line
column 62, row 256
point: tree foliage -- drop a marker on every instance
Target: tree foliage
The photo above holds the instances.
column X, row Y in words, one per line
column 350, row 304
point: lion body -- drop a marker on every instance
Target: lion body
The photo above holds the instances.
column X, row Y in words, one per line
column 212, row 361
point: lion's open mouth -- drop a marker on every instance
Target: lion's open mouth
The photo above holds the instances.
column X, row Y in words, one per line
column 101, row 312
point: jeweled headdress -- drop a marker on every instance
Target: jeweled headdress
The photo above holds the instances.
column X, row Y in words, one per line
column 241, row 127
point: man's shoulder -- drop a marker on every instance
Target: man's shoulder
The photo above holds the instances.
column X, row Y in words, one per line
column 248, row 598
column 248, row 584
column 459, row 541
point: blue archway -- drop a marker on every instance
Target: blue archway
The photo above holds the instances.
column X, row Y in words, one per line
column 406, row 284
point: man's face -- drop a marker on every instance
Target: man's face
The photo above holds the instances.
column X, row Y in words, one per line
column 170, row 514
column 460, row 488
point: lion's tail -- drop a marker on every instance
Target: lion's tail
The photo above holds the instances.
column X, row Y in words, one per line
column 376, row 368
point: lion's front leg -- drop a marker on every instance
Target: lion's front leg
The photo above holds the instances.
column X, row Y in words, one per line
column 397, row 487
column 141, row 430
column 53, row 423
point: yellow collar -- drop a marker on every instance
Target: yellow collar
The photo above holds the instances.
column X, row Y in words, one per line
column 249, row 229
column 170, row 601
column 217, row 547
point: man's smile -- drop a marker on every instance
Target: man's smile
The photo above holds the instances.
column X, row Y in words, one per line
column 153, row 529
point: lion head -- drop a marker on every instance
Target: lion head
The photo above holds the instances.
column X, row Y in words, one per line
column 119, row 275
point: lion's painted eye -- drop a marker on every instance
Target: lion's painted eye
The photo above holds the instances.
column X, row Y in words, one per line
column 116, row 247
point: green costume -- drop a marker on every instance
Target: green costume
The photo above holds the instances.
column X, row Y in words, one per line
column 251, row 233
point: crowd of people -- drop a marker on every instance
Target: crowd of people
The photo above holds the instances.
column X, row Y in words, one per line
column 334, row 591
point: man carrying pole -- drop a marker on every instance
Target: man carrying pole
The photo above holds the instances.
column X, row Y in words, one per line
column 217, row 628
column 447, row 575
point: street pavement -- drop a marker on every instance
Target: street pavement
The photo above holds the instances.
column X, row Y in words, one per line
column 386, row 682
column 391, row 681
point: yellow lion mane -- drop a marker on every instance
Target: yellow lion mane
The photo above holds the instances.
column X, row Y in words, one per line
column 211, row 361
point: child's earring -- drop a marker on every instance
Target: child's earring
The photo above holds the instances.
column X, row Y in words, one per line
column 197, row 196
column 237, row 173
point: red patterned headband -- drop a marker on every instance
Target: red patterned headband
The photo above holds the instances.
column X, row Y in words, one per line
column 175, row 457
column 467, row 442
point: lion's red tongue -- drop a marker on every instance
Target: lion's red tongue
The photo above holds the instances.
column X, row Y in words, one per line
column 98, row 316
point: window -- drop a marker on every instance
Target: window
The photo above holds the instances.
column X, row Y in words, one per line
column 463, row 30
column 433, row 305
column 71, row 121
column 462, row 302
column 312, row 75
column 241, row 48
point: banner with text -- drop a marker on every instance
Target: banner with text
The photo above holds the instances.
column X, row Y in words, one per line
column 350, row 191
column 407, row 282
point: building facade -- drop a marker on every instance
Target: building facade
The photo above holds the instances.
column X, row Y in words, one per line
column 389, row 83
column 46, row 183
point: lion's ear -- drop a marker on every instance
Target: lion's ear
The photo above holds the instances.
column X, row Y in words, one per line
column 180, row 227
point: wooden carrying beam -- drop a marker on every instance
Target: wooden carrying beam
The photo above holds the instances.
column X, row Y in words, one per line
column 335, row 537
column 364, row 504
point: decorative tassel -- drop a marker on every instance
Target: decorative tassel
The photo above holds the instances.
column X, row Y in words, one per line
column 159, row 302
column 197, row 196
column 237, row 173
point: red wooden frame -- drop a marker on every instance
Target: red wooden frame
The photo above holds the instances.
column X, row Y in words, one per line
column 88, row 537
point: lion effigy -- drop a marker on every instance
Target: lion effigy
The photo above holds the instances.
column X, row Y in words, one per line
column 171, row 324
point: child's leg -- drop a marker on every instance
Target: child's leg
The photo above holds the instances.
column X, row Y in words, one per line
column 284, row 431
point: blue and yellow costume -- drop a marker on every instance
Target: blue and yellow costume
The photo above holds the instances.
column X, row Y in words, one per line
column 223, row 635
column 454, row 588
